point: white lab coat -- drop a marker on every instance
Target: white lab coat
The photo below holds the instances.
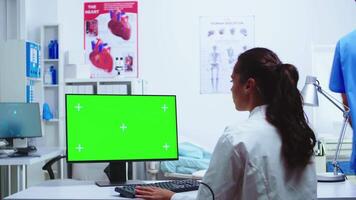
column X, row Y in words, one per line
column 246, row 164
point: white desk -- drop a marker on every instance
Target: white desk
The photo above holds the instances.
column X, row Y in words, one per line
column 41, row 154
column 84, row 190
column 342, row 190
column 68, row 189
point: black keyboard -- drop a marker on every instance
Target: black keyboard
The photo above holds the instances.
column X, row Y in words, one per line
column 174, row 186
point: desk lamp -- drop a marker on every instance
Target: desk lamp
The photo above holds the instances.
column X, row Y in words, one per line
column 310, row 98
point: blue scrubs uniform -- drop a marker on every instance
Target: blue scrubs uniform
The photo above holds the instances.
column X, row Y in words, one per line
column 343, row 78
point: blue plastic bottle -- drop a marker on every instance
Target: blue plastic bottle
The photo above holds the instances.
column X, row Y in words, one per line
column 55, row 49
column 50, row 50
column 47, row 113
column 53, row 75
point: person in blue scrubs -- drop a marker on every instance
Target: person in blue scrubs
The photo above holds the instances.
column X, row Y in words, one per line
column 343, row 79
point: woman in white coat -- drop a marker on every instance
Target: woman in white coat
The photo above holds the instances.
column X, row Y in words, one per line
column 270, row 155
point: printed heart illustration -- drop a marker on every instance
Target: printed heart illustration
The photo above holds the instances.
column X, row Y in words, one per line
column 100, row 56
column 119, row 25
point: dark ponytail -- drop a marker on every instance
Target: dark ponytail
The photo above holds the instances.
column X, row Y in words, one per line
column 277, row 87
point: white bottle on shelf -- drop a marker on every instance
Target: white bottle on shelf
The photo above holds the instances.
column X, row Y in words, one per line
column 47, row 77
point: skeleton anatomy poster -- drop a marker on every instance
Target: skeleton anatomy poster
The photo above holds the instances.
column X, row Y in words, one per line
column 110, row 38
column 222, row 40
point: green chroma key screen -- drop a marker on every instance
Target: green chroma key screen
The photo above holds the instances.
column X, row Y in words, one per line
column 121, row 127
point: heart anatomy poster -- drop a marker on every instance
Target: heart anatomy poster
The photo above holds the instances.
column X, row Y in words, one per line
column 222, row 40
column 110, row 38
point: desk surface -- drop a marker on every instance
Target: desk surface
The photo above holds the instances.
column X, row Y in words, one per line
column 40, row 155
column 342, row 190
column 68, row 189
column 86, row 190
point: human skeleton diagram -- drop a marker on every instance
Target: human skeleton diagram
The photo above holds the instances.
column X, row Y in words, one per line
column 215, row 60
column 231, row 55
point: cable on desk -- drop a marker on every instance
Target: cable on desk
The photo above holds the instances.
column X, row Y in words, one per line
column 342, row 171
column 206, row 185
column 337, row 166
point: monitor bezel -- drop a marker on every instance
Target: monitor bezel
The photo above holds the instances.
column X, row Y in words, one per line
column 40, row 120
column 118, row 160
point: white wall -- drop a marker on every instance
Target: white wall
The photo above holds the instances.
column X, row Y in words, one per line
column 12, row 19
column 169, row 47
column 38, row 13
column 332, row 19
column 2, row 20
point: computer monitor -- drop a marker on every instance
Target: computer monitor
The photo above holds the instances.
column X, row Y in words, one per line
column 120, row 128
column 20, row 120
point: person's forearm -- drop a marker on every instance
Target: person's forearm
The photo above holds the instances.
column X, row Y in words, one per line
column 346, row 103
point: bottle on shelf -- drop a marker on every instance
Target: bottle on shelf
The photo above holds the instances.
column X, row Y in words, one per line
column 53, row 72
column 50, row 50
column 47, row 113
column 55, row 49
column 47, row 77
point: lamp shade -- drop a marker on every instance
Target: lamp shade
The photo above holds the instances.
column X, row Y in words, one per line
column 309, row 92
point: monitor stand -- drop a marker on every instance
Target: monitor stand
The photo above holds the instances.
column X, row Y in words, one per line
column 116, row 173
column 19, row 142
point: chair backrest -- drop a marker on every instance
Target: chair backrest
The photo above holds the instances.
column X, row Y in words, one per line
column 94, row 171
column 82, row 171
column 48, row 165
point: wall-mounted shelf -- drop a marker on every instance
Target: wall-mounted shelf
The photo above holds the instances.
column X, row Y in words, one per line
column 52, row 120
column 51, row 86
column 72, row 80
column 104, row 86
column 34, row 79
column 50, row 60
column 51, row 92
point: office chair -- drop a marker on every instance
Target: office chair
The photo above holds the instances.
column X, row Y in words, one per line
column 48, row 166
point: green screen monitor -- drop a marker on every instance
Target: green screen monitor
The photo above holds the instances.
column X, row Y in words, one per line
column 120, row 128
